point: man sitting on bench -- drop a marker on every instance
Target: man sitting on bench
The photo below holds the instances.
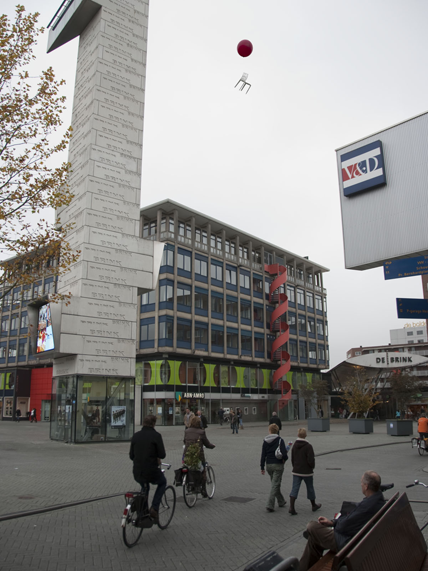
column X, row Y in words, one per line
column 335, row 534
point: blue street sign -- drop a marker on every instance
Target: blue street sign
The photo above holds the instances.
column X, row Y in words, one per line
column 412, row 308
column 406, row 267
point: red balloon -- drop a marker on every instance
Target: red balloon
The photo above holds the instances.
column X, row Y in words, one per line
column 245, row 48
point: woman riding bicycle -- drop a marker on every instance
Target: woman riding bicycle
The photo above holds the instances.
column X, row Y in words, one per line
column 196, row 434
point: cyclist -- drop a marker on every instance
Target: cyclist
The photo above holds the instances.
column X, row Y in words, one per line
column 147, row 450
column 196, row 434
column 423, row 426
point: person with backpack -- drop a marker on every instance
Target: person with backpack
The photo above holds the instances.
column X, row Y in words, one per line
column 274, row 455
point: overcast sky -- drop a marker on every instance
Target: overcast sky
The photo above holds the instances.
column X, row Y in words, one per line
column 323, row 74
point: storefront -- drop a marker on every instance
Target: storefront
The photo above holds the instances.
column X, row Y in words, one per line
column 14, row 393
column 92, row 409
column 169, row 386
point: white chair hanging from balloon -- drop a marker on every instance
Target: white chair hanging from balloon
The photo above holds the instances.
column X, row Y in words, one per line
column 243, row 82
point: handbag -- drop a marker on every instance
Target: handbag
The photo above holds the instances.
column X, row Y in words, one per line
column 278, row 453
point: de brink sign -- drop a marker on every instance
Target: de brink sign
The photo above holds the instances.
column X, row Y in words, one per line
column 387, row 360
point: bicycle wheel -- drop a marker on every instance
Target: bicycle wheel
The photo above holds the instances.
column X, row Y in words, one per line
column 421, row 448
column 210, row 485
column 167, row 507
column 131, row 533
column 189, row 494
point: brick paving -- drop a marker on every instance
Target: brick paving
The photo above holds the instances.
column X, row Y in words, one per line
column 36, row 472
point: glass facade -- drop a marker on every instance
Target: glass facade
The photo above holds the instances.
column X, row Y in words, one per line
column 92, row 409
column 168, row 386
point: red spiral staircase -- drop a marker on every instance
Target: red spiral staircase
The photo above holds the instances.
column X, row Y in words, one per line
column 279, row 326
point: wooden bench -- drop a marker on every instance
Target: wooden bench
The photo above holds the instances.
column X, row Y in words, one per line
column 390, row 541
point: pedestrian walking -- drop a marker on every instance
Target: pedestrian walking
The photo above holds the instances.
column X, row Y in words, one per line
column 33, row 415
column 233, row 421
column 204, row 421
column 17, row 415
column 276, row 420
column 239, row 415
column 275, row 460
column 188, row 417
column 221, row 416
column 303, row 462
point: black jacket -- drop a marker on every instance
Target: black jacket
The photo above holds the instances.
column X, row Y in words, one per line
column 204, row 422
column 146, row 447
column 302, row 458
column 347, row 526
column 270, row 444
column 276, row 420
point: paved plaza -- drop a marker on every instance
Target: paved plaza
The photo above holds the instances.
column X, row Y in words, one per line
column 227, row 532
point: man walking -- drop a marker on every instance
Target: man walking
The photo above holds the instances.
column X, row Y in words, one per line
column 188, row 417
column 147, row 450
column 204, row 421
column 276, row 420
column 221, row 416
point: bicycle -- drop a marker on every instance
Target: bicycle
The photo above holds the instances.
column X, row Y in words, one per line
column 193, row 486
column 136, row 515
column 417, row 483
column 420, row 444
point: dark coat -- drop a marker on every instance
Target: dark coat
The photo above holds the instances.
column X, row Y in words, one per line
column 193, row 435
column 302, row 458
column 204, row 421
column 348, row 526
column 146, row 447
column 276, row 420
column 270, row 444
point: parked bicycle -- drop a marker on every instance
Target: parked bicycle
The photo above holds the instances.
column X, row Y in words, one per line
column 136, row 515
column 420, row 444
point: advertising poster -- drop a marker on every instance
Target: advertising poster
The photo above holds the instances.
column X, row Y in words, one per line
column 118, row 416
column 45, row 340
